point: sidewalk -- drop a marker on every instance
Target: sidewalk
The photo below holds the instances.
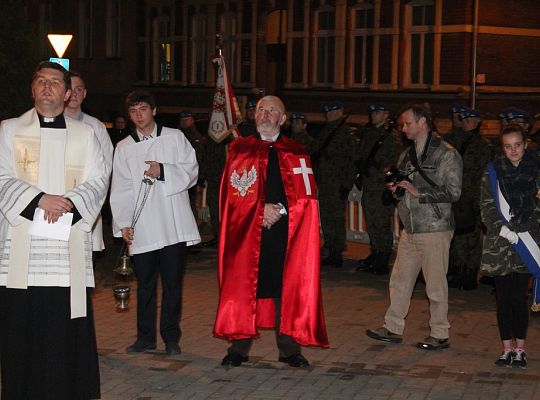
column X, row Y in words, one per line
column 355, row 367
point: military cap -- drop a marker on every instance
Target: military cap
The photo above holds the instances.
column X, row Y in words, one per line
column 185, row 114
column 506, row 112
column 458, row 108
column 377, row 107
column 516, row 113
column 297, row 115
column 332, row 105
column 468, row 113
column 251, row 104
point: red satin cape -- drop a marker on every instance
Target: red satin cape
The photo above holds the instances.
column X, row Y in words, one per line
column 240, row 313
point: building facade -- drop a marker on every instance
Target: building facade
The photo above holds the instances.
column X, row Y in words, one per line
column 305, row 51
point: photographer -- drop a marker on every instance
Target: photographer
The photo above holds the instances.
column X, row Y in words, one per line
column 434, row 169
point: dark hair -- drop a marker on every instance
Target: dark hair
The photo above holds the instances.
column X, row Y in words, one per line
column 52, row 65
column 514, row 128
column 140, row 96
column 72, row 73
column 419, row 111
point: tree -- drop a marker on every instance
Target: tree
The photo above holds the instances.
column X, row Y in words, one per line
column 19, row 55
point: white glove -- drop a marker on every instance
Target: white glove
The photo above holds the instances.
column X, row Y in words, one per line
column 511, row 236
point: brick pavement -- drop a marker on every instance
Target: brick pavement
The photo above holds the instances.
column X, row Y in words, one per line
column 355, row 367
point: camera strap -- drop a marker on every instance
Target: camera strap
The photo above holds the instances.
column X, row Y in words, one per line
column 414, row 160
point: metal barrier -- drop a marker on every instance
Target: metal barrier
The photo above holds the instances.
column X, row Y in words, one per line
column 355, row 221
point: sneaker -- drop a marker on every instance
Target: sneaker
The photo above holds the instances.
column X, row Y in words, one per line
column 520, row 359
column 431, row 343
column 506, row 358
column 384, row 335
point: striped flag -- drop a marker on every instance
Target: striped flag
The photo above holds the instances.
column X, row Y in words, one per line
column 225, row 111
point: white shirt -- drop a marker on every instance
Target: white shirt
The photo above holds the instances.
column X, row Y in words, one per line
column 166, row 218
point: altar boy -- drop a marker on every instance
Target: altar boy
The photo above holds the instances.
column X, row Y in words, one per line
column 154, row 217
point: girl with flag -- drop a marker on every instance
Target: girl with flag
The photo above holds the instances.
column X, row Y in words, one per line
column 511, row 213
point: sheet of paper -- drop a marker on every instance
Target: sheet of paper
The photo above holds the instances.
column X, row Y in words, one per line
column 59, row 230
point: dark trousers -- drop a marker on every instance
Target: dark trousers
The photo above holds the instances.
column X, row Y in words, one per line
column 512, row 306
column 168, row 262
column 286, row 345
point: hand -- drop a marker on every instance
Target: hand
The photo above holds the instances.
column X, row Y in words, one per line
column 51, row 217
column 154, row 170
column 509, row 235
column 127, row 234
column 409, row 187
column 271, row 215
column 54, row 206
column 391, row 187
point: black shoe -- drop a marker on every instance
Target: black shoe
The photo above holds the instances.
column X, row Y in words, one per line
column 329, row 260
column 520, row 359
column 172, row 349
column 139, row 347
column 431, row 343
column 366, row 264
column 295, row 361
column 505, row 360
column 234, row 359
column 384, row 335
column 454, row 281
column 338, row 260
column 210, row 243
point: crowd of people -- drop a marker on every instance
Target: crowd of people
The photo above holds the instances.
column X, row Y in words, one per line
column 465, row 208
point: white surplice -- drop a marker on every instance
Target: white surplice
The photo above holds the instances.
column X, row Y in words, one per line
column 166, row 218
column 107, row 148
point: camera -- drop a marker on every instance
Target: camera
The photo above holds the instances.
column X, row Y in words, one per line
column 392, row 175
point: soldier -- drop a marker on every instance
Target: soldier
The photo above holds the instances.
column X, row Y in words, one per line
column 466, row 246
column 215, row 156
column 298, row 129
column 334, row 149
column 197, row 141
column 379, row 150
column 457, row 122
column 247, row 126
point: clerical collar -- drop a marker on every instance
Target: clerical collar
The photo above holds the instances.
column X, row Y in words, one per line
column 152, row 135
column 272, row 139
column 57, row 122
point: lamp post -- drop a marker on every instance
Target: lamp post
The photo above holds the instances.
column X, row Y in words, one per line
column 60, row 44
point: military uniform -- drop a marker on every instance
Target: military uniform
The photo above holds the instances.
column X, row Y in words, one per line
column 248, row 127
column 378, row 213
column 300, row 135
column 215, row 157
column 197, row 141
column 334, row 149
column 466, row 246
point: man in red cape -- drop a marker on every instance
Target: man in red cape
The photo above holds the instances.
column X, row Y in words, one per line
column 269, row 243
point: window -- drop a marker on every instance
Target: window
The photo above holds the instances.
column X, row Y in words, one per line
column 325, row 45
column 162, row 49
column 113, row 28
column 85, row 28
column 199, row 51
column 228, row 27
column 362, row 40
column 422, row 42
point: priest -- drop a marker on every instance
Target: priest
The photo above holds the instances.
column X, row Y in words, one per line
column 269, row 243
column 52, row 169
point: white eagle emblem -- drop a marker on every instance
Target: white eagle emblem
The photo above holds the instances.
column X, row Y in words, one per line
column 243, row 182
